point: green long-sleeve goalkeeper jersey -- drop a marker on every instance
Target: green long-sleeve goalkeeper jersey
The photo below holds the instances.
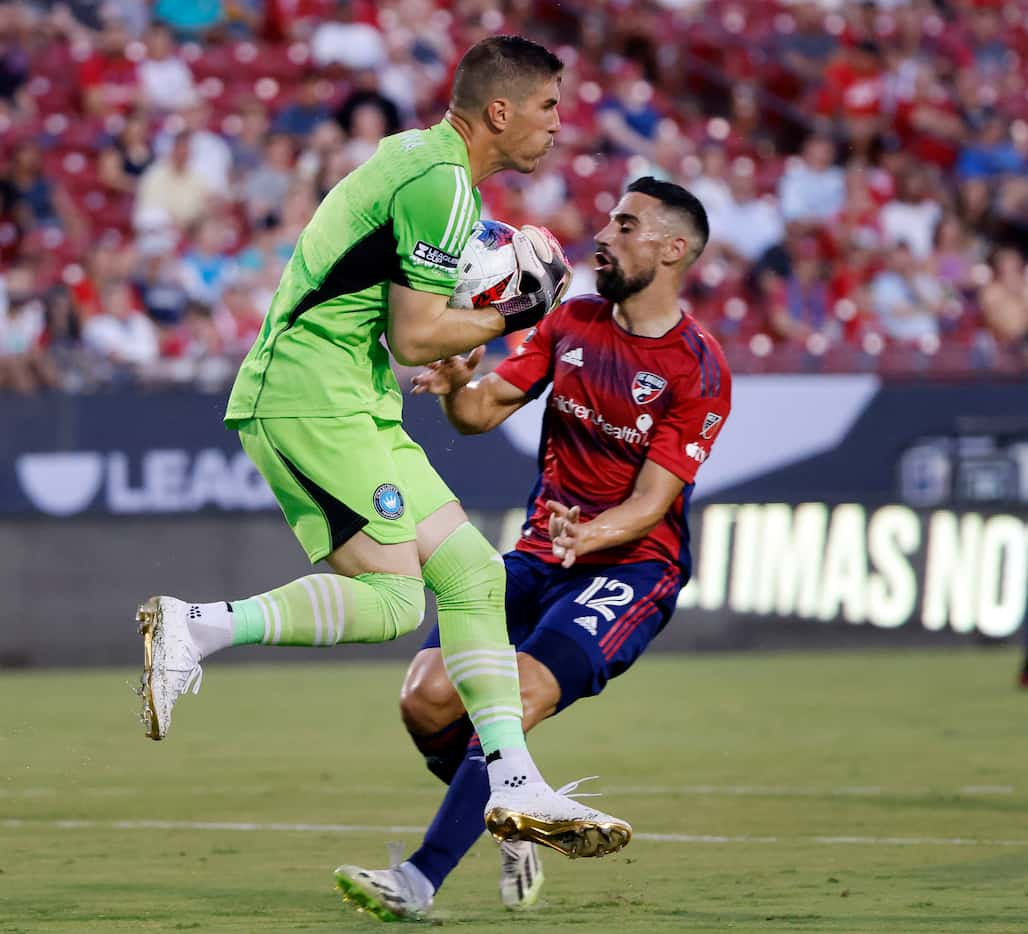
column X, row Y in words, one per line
column 403, row 216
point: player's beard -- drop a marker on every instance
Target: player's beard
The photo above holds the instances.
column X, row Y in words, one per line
column 615, row 286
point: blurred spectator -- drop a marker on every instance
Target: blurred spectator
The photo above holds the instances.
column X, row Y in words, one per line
column 903, row 297
column 121, row 164
column 209, row 155
column 628, row 117
column 172, row 188
column 33, row 199
column 800, row 305
column 853, row 92
column 953, row 256
column 106, row 262
column 190, row 18
column 367, row 115
column 121, row 336
column 165, row 79
column 247, row 146
column 61, row 339
column 813, row 190
column 23, row 366
column 989, row 48
column 306, row 111
column 806, row 49
column 264, row 189
column 342, row 41
column 415, row 72
column 108, row 78
column 991, row 152
column 859, row 214
column 158, row 280
column 293, row 19
column 238, row 318
column 365, row 118
column 1004, row 300
column 14, row 57
column 325, row 139
column 206, row 267
column 133, row 144
column 927, row 122
column 752, row 224
column 911, row 217
column 712, row 188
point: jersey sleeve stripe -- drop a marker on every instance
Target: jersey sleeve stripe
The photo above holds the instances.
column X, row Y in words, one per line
column 690, row 342
column 710, row 369
column 461, row 231
column 458, row 201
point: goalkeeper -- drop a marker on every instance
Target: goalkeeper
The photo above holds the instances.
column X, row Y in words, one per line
column 318, row 410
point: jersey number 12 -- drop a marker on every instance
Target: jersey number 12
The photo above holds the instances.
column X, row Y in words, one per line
column 617, row 594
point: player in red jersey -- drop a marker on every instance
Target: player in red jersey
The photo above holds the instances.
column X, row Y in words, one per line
column 639, row 393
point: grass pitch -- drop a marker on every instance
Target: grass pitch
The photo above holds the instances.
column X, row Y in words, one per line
column 859, row 792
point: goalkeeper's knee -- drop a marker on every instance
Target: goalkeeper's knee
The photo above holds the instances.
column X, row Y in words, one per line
column 401, row 604
column 466, row 573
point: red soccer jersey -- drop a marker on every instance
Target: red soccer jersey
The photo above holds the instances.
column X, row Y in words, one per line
column 619, row 399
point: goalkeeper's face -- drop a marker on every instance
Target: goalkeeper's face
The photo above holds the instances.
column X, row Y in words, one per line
column 532, row 128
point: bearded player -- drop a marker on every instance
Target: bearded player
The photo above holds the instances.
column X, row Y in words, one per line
column 639, row 393
column 318, row 411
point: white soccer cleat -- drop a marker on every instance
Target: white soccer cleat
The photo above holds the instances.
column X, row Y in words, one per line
column 385, row 893
column 171, row 661
column 538, row 814
column 521, row 874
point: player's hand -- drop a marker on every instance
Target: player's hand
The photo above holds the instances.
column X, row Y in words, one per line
column 545, row 277
column 447, row 376
column 565, row 532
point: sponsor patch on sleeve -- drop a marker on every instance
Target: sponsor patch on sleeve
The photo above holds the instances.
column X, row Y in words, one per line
column 424, row 254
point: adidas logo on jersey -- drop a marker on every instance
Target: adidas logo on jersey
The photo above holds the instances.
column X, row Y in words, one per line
column 588, row 623
column 574, row 357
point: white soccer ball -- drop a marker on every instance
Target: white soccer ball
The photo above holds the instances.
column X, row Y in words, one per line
column 487, row 271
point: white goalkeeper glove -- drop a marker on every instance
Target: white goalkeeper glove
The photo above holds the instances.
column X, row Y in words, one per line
column 545, row 277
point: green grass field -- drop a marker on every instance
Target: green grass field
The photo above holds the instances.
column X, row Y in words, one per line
column 860, row 792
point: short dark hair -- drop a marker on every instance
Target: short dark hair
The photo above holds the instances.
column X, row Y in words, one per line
column 677, row 199
column 500, row 66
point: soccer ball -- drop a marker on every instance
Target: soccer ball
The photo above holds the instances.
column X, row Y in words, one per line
column 488, row 268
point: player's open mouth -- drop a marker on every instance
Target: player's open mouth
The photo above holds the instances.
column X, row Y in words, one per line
column 603, row 262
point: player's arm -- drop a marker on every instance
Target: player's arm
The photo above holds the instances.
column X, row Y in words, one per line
column 432, row 219
column 423, row 328
column 472, row 405
column 655, row 490
column 480, row 405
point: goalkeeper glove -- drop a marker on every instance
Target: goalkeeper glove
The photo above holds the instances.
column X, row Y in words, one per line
column 545, row 277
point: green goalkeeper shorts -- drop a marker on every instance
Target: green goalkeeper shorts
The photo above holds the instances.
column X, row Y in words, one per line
column 334, row 477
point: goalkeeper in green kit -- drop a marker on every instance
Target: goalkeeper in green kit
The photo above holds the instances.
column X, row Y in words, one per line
column 318, row 410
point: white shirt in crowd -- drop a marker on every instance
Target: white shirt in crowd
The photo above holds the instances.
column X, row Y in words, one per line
column 807, row 194
column 913, row 223
column 751, row 227
column 210, row 157
column 131, row 340
column 167, row 84
column 716, row 198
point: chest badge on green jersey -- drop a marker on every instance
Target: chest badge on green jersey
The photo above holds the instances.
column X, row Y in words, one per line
column 388, row 501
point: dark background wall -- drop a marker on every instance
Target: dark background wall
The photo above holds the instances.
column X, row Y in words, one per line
column 105, row 500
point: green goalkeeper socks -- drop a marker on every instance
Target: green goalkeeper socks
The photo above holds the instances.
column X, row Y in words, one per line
column 326, row 609
column 468, row 578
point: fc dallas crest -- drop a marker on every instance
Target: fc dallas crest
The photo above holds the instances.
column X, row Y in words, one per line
column 647, row 386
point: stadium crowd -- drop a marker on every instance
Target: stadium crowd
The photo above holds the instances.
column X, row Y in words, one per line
column 864, row 166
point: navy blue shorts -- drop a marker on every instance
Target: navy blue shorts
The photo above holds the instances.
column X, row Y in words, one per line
column 587, row 624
